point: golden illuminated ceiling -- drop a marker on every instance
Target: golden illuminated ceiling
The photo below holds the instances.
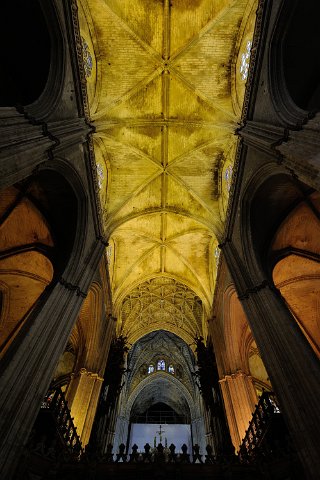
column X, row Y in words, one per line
column 165, row 97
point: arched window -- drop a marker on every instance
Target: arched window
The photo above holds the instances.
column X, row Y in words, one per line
column 151, row 369
column 161, row 365
column 171, row 369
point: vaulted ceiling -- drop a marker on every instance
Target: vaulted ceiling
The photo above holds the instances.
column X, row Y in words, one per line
column 165, row 95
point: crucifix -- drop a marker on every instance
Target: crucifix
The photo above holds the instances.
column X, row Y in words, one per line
column 160, row 432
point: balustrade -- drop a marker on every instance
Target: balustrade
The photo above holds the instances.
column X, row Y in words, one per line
column 57, row 406
column 267, row 434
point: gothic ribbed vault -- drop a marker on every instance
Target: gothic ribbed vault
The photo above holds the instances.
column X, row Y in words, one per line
column 165, row 95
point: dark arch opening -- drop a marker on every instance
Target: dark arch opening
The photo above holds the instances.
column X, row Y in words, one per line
column 301, row 54
column 272, row 202
column 54, row 197
column 160, row 413
column 25, row 52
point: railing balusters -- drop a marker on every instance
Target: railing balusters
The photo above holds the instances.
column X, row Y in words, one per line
column 266, row 408
column 56, row 403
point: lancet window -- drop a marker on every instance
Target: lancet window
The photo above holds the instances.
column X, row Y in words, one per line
column 161, row 365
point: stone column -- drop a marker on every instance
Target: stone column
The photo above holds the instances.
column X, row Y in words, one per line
column 27, row 369
column 291, row 363
column 240, row 399
column 83, row 397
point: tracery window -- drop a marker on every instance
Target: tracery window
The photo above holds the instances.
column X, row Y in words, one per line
column 171, row 369
column 151, row 368
column 161, row 365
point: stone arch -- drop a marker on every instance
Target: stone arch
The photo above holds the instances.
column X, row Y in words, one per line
column 26, row 260
column 296, row 266
column 267, row 199
column 173, row 384
column 66, row 192
column 46, row 236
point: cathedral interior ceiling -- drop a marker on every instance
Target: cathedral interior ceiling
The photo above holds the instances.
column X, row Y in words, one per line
column 165, row 96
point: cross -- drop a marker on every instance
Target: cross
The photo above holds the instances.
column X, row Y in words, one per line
column 160, row 433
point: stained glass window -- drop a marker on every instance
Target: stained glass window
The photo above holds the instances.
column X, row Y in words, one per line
column 217, row 254
column 245, row 59
column 87, row 58
column 161, row 365
column 109, row 253
column 150, row 369
column 228, row 176
column 100, row 175
column 171, row 369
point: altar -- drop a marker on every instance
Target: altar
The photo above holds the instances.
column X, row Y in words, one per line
column 178, row 434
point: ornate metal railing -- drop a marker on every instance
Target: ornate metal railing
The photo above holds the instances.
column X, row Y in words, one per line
column 252, row 445
column 57, row 405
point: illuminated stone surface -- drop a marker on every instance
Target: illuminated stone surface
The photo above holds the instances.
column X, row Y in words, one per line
column 164, row 111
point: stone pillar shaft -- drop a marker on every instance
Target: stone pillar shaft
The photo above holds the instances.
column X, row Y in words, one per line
column 27, row 372
column 290, row 361
column 85, row 390
column 240, row 398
